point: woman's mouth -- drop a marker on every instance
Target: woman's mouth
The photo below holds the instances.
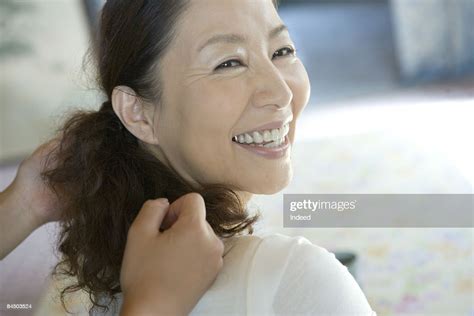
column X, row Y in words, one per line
column 271, row 143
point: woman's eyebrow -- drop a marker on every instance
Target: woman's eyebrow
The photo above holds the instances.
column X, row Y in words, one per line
column 236, row 38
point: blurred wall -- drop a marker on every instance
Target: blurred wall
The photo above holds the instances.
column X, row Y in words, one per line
column 434, row 38
column 42, row 44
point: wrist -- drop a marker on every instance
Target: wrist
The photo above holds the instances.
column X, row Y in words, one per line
column 16, row 223
column 17, row 205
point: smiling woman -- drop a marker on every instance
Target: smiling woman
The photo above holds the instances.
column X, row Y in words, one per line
column 202, row 96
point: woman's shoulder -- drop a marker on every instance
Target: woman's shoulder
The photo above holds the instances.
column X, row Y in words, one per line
column 283, row 247
column 263, row 246
column 294, row 276
column 281, row 241
column 268, row 242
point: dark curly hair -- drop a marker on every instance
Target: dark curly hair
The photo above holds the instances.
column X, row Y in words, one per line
column 102, row 174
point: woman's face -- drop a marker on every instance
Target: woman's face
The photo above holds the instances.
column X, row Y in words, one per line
column 229, row 71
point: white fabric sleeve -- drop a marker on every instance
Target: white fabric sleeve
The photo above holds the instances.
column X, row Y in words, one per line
column 308, row 280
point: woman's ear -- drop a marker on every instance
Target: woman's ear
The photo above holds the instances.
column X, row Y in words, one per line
column 134, row 115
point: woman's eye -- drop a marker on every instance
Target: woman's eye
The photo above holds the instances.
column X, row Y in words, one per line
column 228, row 64
column 285, row 51
column 232, row 63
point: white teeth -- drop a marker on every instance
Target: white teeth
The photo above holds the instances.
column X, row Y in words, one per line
column 270, row 145
column 267, row 136
column 259, row 137
column 274, row 143
column 248, row 139
column 275, row 134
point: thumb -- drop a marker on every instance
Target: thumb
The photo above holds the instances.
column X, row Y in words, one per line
column 151, row 215
column 190, row 205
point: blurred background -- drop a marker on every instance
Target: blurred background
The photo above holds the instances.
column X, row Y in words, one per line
column 391, row 111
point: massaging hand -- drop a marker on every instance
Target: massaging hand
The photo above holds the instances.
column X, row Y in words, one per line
column 28, row 190
column 167, row 272
column 27, row 202
column 162, row 272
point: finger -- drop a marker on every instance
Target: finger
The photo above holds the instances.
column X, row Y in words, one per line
column 151, row 215
column 189, row 206
column 211, row 231
column 169, row 220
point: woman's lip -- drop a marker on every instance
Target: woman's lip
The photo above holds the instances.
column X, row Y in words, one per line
column 270, row 153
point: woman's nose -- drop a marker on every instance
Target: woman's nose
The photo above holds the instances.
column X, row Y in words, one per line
column 271, row 87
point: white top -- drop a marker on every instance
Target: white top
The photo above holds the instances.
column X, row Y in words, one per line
column 279, row 275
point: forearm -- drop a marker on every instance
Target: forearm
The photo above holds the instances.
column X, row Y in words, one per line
column 16, row 223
